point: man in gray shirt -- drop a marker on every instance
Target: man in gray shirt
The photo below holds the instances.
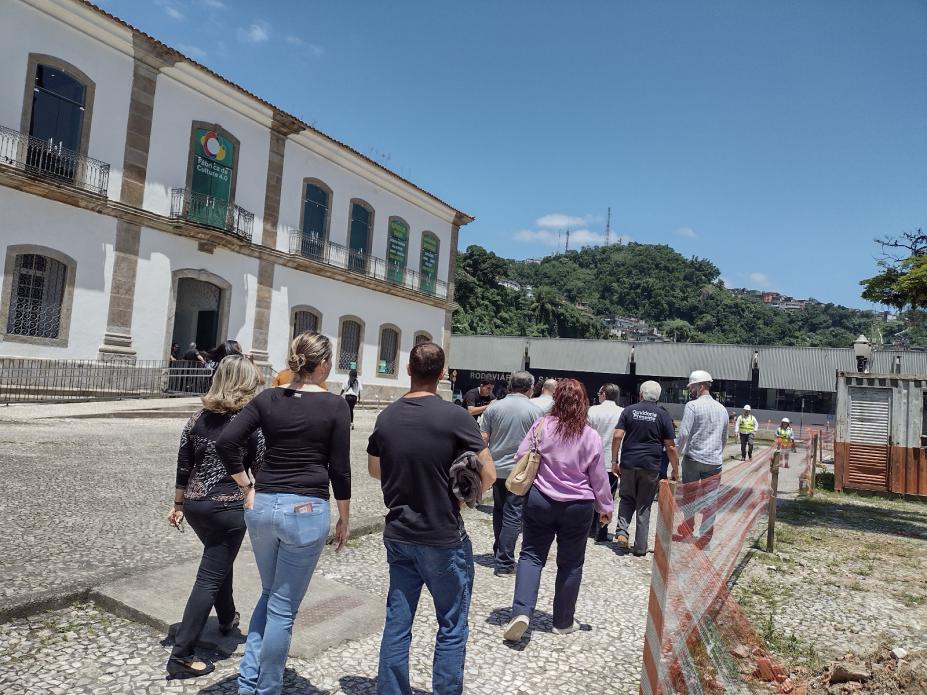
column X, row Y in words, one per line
column 701, row 439
column 504, row 426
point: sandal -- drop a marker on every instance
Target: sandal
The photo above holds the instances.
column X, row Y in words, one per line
column 227, row 628
column 188, row 667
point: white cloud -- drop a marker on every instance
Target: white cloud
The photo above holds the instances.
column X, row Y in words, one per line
column 174, row 13
column 686, row 232
column 214, row 4
column 192, row 51
column 578, row 237
column 314, row 49
column 558, row 220
column 760, row 281
column 725, row 281
column 257, row 32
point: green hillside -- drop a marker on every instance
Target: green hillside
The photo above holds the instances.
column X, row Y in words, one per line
column 683, row 297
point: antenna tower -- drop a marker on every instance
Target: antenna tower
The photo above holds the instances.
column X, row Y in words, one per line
column 608, row 229
column 567, row 240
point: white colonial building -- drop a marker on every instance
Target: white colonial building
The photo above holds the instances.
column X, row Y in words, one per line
column 148, row 201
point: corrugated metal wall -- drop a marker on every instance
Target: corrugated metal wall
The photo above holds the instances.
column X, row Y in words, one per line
column 680, row 359
column 606, row 356
column 803, row 369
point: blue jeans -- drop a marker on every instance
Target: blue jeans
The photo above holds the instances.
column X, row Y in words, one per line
column 286, row 545
column 546, row 519
column 448, row 574
column 507, row 509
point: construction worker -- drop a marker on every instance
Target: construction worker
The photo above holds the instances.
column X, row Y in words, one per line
column 746, row 426
column 785, row 440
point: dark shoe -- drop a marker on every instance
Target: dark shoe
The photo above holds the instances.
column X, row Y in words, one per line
column 188, row 667
column 227, row 628
column 638, row 553
column 504, row 571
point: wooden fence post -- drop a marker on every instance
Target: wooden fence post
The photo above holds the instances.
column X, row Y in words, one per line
column 774, row 491
column 815, row 452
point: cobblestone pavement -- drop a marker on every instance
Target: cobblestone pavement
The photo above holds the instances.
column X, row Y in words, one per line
column 86, row 501
column 83, row 649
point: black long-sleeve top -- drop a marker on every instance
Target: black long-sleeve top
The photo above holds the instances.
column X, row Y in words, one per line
column 200, row 472
column 308, row 442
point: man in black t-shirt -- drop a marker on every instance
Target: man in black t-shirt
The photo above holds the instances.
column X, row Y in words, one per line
column 643, row 431
column 476, row 400
column 413, row 445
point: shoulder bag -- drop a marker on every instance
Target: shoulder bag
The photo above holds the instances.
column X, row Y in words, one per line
column 522, row 476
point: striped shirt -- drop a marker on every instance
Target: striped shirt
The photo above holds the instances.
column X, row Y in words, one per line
column 703, row 431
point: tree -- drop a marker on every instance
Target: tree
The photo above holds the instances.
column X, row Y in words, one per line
column 903, row 280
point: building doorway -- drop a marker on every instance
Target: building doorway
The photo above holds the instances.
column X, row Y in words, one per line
column 196, row 314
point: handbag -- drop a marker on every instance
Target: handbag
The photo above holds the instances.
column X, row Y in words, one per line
column 523, row 474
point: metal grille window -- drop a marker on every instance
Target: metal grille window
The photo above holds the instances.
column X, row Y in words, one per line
column 422, row 338
column 37, row 296
column 304, row 321
column 349, row 349
column 389, row 351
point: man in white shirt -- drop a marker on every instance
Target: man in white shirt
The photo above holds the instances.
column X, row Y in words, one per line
column 603, row 418
column 545, row 401
column 701, row 439
column 745, row 427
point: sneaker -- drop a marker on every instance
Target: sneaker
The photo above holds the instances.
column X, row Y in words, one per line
column 504, row 571
column 567, row 630
column 621, row 540
column 516, row 628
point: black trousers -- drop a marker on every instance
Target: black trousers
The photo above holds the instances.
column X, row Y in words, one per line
column 221, row 528
column 352, row 401
column 600, row 533
column 507, row 509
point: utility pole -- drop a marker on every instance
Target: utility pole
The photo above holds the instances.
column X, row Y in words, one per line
column 567, row 240
column 608, row 229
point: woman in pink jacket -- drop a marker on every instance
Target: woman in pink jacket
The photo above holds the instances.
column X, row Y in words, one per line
column 570, row 483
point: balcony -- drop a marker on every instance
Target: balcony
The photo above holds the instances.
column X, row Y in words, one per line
column 338, row 256
column 212, row 212
column 50, row 161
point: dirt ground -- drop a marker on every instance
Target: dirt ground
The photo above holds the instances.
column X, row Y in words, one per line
column 847, row 583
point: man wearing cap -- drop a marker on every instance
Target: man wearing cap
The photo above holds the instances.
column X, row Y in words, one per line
column 701, row 439
column 746, row 426
column 785, row 440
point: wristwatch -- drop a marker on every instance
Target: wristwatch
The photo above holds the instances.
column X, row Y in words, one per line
column 249, row 486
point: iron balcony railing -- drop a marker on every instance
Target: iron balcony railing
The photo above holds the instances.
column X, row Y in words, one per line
column 211, row 211
column 338, row 256
column 51, row 160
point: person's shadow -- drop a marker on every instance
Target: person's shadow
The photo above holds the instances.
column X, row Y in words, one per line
column 485, row 560
column 292, row 683
column 361, row 685
column 541, row 622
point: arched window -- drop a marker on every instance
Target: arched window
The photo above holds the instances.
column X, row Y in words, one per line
column 350, row 340
column 56, row 112
column 316, row 206
column 359, row 234
column 397, row 245
column 428, row 262
column 37, row 293
column 422, row 337
column 305, row 319
column 388, row 357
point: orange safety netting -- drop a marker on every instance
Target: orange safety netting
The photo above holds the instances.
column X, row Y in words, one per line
column 698, row 640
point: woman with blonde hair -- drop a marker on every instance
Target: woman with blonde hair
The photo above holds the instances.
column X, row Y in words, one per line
column 207, row 497
column 308, row 436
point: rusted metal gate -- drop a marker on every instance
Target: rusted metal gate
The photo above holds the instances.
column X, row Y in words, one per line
column 869, row 447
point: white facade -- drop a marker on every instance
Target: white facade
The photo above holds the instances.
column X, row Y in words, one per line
column 118, row 295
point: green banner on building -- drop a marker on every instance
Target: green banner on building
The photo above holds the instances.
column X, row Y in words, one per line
column 428, row 265
column 211, row 183
column 396, row 246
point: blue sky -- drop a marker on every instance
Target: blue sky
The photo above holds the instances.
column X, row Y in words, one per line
column 777, row 139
